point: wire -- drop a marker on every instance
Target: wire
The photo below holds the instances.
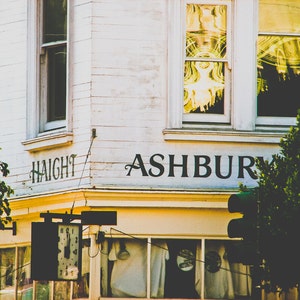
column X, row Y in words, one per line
column 85, row 163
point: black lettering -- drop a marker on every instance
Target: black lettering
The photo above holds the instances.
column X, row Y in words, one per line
column 157, row 165
column 72, row 163
column 205, row 165
column 183, row 166
column 55, row 170
column 44, row 171
column 218, row 167
column 137, row 164
column 62, row 167
column 248, row 167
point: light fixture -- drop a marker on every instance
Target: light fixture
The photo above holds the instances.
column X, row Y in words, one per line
column 123, row 254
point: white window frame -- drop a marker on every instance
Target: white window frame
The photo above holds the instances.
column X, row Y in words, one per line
column 203, row 117
column 242, row 115
column 59, row 134
column 43, row 62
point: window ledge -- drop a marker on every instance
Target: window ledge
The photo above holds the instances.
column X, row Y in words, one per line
column 48, row 141
column 222, row 136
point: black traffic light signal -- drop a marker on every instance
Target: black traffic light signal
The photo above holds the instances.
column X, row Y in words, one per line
column 245, row 251
column 245, row 227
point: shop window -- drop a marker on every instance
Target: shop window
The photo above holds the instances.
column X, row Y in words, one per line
column 171, row 268
column 7, row 275
column 15, row 277
column 53, row 65
column 278, row 59
column 24, row 283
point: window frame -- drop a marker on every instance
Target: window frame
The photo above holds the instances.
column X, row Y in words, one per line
column 208, row 117
column 36, row 139
column 150, row 241
column 271, row 120
column 44, row 47
column 243, row 85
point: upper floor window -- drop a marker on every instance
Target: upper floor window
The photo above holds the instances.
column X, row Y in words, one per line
column 207, row 60
column 53, row 65
column 278, row 59
column 233, row 64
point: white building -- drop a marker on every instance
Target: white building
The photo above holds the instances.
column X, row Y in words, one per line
column 153, row 109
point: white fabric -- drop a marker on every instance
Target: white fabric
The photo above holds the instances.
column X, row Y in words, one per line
column 219, row 284
column 241, row 279
column 128, row 278
column 159, row 255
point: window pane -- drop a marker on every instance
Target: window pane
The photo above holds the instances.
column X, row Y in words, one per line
column 7, row 272
column 278, row 58
column 124, row 271
column 182, row 273
column 25, row 287
column 55, row 20
column 204, row 72
column 56, row 83
column 279, row 16
column 278, row 76
column 42, row 290
column 224, row 280
column 159, row 258
column 205, row 31
column 62, row 290
column 204, row 87
column 81, row 288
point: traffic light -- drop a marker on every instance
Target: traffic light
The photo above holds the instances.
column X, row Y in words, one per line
column 246, row 250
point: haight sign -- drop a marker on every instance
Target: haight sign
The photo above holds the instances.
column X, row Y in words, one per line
column 53, row 169
column 197, row 166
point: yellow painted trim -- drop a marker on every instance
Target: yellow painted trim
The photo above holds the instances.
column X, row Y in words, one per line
column 87, row 199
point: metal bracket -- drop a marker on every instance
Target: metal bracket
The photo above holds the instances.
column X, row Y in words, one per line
column 13, row 228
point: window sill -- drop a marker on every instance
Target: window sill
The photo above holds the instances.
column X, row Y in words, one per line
column 49, row 141
column 222, row 136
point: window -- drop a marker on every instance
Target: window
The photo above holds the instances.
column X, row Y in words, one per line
column 53, row 65
column 15, row 272
column 206, row 65
column 233, row 65
column 278, row 59
column 171, row 268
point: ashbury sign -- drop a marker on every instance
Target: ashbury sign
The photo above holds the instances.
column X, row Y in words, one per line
column 222, row 166
column 157, row 165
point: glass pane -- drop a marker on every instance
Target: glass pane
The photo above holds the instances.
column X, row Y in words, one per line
column 279, row 16
column 7, row 273
column 57, row 83
column 124, row 271
column 55, row 20
column 81, row 288
column 62, row 290
column 42, row 290
column 159, row 258
column 205, row 31
column 183, row 269
column 224, row 280
column 204, row 85
column 278, row 76
column 25, row 287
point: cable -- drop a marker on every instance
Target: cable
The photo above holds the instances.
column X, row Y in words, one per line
column 85, row 163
